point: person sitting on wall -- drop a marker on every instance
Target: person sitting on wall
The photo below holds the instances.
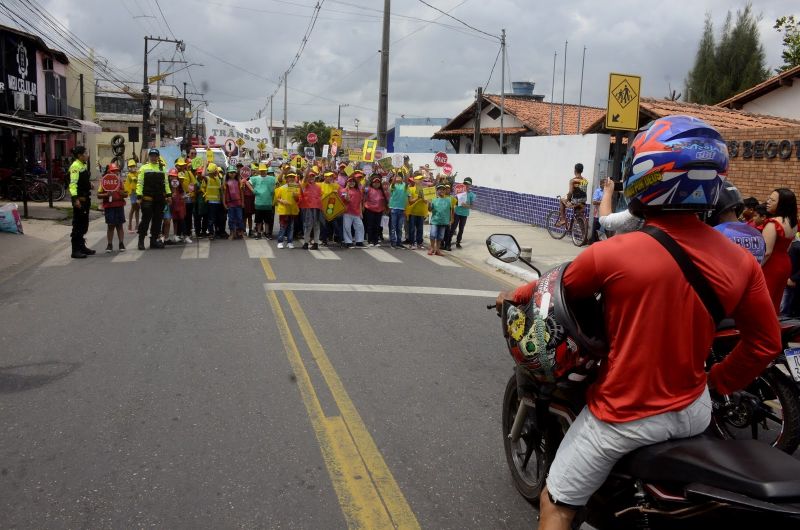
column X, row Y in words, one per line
column 576, row 196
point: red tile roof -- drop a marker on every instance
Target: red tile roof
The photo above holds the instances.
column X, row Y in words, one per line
column 782, row 79
column 719, row 117
column 489, row 131
column 534, row 115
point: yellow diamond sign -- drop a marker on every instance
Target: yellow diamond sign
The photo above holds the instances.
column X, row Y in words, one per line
column 623, row 102
column 332, row 206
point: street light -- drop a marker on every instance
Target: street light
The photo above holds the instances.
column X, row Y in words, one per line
column 355, row 121
column 339, row 121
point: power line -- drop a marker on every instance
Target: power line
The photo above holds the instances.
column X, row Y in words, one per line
column 165, row 20
column 492, row 72
column 458, row 20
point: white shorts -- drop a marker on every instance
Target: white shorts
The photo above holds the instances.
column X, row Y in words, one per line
column 592, row 447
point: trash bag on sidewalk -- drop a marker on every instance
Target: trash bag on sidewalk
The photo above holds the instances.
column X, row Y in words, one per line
column 10, row 220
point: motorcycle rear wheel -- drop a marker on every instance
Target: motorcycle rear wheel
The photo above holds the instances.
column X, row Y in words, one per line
column 528, row 478
column 781, row 398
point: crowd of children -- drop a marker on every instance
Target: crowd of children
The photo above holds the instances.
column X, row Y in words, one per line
column 321, row 202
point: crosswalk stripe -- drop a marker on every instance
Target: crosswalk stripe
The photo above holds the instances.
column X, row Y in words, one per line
column 440, row 260
column 324, row 254
column 127, row 256
column 58, row 260
column 197, row 251
column 259, row 249
column 381, row 255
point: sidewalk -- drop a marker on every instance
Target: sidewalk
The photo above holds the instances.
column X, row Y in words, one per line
column 546, row 252
column 45, row 229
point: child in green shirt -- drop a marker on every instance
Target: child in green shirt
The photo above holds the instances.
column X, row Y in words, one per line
column 441, row 209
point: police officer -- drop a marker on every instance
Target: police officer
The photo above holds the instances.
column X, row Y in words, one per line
column 80, row 190
column 152, row 189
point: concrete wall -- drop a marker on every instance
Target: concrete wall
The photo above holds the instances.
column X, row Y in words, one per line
column 783, row 101
column 523, row 186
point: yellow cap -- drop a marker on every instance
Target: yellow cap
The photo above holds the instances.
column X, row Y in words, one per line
column 262, row 167
column 131, row 163
column 212, row 167
column 180, row 162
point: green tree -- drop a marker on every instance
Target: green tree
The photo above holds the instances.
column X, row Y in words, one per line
column 788, row 25
column 738, row 62
column 700, row 87
column 318, row 127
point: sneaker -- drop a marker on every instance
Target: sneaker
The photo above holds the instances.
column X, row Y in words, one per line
column 324, row 243
column 413, row 246
column 121, row 246
column 402, row 246
column 305, row 245
column 109, row 248
column 458, row 245
column 280, row 245
column 372, row 245
column 290, row 245
column 314, row 247
column 377, row 245
column 258, row 236
column 360, row 245
column 187, row 240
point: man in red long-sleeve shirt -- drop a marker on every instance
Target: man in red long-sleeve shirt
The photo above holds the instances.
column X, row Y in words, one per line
column 652, row 387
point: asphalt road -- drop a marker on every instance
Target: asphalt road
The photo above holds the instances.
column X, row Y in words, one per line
column 198, row 387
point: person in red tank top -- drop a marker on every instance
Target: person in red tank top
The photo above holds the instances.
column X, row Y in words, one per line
column 779, row 232
column 653, row 385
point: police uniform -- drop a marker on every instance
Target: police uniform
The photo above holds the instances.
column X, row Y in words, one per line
column 152, row 189
column 80, row 188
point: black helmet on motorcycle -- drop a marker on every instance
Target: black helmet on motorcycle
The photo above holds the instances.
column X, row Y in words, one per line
column 553, row 338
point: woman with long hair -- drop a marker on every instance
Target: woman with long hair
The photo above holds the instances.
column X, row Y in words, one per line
column 779, row 232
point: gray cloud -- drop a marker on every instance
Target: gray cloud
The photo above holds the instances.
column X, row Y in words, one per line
column 433, row 72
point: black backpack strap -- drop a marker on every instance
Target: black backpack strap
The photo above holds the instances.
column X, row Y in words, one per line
column 693, row 275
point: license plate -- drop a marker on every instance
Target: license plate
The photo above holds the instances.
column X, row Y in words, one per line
column 793, row 360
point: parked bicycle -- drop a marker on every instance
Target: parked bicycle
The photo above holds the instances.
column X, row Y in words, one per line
column 36, row 189
column 576, row 225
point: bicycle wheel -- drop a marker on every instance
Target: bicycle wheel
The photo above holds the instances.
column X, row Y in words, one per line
column 556, row 232
column 58, row 191
column 37, row 191
column 579, row 231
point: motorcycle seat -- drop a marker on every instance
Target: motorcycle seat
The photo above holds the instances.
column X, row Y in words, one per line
column 790, row 327
column 726, row 324
column 748, row 467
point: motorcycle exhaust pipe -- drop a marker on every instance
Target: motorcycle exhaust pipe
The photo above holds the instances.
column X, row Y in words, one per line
column 519, row 421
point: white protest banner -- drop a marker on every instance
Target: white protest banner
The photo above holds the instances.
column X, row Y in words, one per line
column 252, row 132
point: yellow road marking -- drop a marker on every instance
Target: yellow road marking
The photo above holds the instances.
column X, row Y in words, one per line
column 368, row 494
column 393, row 499
column 268, row 269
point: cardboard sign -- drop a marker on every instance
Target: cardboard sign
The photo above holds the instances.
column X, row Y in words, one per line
column 336, row 137
column 368, row 152
column 349, row 170
column 429, row 193
column 325, row 149
column 354, row 155
column 332, row 206
column 385, row 163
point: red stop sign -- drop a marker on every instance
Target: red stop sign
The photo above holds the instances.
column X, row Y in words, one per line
column 440, row 159
column 245, row 172
column 447, row 169
column 312, row 138
column 110, row 182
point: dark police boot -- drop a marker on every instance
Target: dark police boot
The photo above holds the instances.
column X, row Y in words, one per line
column 141, row 243
column 155, row 243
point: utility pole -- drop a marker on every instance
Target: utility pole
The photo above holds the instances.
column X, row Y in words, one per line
column 183, row 117
column 285, row 112
column 580, row 94
column 563, row 88
column 477, row 138
column 80, row 80
column 552, row 93
column 271, row 140
column 339, row 121
column 383, row 96
column 502, row 89
column 158, row 98
column 146, row 88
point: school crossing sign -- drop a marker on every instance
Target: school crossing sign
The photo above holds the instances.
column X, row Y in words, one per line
column 622, row 112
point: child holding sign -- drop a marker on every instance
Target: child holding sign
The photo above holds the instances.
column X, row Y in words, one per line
column 113, row 197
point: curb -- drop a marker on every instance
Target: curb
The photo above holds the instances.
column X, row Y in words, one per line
column 513, row 270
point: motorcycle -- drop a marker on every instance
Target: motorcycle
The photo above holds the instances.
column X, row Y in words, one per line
column 695, row 480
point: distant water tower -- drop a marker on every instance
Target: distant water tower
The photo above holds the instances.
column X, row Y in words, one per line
column 522, row 88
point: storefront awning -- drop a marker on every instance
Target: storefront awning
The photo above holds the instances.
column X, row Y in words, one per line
column 34, row 128
column 88, row 127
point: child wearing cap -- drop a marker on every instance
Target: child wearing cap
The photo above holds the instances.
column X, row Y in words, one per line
column 441, row 209
column 286, row 207
column 233, row 202
column 212, row 193
column 374, row 208
column 189, row 186
column 264, row 191
column 416, row 211
column 201, row 207
column 465, row 201
column 177, row 205
column 311, row 207
column 331, row 230
column 353, row 198
column 398, row 199
column 130, row 189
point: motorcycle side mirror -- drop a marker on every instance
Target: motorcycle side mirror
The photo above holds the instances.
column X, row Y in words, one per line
column 503, row 247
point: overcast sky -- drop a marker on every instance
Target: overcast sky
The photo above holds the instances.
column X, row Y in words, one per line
column 434, row 70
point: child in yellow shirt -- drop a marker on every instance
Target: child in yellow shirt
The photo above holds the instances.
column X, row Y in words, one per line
column 286, row 207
